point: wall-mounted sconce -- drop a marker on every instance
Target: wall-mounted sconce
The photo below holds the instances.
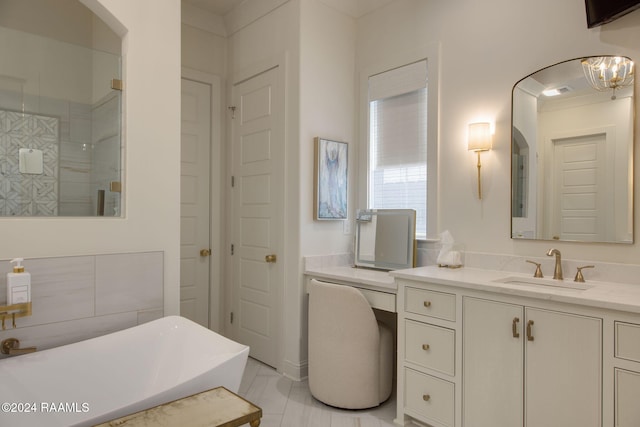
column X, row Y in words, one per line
column 479, row 140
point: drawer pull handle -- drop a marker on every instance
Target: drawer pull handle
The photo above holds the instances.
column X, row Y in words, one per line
column 426, row 397
column 514, row 327
column 427, row 304
column 529, row 333
column 425, row 347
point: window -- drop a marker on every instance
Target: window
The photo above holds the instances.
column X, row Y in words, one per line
column 397, row 169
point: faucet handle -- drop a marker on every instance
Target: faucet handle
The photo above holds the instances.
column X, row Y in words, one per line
column 11, row 346
column 538, row 272
column 579, row 277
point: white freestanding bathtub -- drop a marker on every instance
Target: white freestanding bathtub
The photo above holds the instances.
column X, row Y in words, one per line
column 107, row 377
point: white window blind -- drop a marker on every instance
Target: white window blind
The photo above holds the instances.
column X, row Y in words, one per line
column 398, row 141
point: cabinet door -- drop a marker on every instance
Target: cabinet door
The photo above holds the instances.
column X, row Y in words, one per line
column 563, row 370
column 627, row 389
column 492, row 363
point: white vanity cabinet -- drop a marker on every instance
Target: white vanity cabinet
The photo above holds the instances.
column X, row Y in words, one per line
column 521, row 362
column 475, row 354
column 626, row 373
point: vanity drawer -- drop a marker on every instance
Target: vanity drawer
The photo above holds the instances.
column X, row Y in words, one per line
column 428, row 398
column 627, row 341
column 380, row 300
column 430, row 303
column 430, row 346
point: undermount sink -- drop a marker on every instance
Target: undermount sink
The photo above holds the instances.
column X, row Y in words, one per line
column 533, row 281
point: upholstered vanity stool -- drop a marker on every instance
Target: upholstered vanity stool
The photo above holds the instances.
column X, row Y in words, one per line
column 350, row 352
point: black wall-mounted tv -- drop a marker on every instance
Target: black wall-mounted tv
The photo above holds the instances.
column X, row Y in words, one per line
column 602, row 11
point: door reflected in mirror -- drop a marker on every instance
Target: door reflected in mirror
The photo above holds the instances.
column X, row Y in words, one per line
column 572, row 152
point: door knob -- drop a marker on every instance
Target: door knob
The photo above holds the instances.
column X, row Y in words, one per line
column 270, row 258
column 205, row 252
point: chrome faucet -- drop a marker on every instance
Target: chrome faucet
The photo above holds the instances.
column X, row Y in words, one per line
column 557, row 272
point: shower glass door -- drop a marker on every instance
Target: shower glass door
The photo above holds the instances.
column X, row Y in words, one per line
column 60, row 127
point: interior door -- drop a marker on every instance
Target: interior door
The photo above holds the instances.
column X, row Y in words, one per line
column 195, row 149
column 580, row 198
column 257, row 168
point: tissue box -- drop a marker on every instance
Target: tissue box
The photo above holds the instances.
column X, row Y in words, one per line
column 453, row 258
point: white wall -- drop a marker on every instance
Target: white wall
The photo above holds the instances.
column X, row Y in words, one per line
column 487, row 46
column 152, row 167
column 204, row 45
column 327, row 106
column 64, row 20
column 327, row 109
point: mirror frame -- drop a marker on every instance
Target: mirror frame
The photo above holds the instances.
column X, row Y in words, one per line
column 630, row 170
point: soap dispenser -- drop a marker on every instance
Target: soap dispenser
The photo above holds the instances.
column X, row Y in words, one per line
column 18, row 284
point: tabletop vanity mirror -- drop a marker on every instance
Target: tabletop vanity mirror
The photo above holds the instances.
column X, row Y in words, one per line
column 572, row 152
column 385, row 238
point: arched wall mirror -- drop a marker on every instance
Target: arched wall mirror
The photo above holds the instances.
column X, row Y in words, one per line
column 572, row 152
column 60, row 111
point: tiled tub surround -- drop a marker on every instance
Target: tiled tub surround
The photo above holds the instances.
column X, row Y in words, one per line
column 80, row 297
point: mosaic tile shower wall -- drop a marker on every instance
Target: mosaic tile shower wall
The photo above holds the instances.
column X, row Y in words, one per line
column 28, row 194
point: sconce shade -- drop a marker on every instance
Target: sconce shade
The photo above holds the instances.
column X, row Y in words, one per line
column 479, row 137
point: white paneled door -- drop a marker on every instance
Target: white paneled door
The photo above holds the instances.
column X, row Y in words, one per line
column 257, row 198
column 195, row 252
column 580, row 197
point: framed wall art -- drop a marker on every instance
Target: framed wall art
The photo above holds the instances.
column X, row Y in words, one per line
column 330, row 179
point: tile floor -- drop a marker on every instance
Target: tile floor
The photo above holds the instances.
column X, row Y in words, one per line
column 288, row 403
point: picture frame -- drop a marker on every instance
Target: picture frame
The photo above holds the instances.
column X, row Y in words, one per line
column 331, row 178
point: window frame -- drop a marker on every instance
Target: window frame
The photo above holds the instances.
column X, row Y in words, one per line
column 430, row 53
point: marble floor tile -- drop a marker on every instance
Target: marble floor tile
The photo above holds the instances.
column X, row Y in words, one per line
column 287, row 403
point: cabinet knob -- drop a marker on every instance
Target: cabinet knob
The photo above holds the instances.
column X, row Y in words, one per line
column 426, row 397
column 427, row 304
column 425, row 347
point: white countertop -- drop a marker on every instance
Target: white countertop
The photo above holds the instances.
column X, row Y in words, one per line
column 376, row 280
column 614, row 296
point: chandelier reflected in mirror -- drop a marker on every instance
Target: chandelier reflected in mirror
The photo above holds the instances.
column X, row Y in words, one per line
column 606, row 73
